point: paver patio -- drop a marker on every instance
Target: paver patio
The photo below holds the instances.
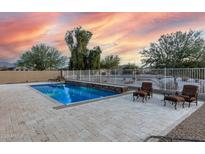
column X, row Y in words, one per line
column 26, row 115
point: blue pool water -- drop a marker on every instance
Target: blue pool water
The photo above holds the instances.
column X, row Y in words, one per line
column 67, row 94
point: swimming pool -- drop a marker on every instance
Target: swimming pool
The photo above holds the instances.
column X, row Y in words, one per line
column 68, row 94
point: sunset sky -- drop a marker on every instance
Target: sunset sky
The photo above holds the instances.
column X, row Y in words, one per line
column 123, row 34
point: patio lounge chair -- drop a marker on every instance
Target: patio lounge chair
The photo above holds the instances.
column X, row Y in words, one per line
column 145, row 91
column 189, row 94
column 58, row 79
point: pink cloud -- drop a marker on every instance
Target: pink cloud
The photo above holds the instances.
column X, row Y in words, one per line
column 19, row 34
column 124, row 34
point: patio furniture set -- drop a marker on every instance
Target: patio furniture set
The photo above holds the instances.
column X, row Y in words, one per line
column 189, row 94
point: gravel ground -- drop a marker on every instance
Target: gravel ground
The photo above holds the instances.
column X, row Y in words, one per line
column 191, row 128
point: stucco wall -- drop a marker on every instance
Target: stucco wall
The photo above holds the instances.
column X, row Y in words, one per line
column 27, row 76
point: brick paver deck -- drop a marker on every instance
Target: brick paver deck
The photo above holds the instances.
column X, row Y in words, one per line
column 26, row 115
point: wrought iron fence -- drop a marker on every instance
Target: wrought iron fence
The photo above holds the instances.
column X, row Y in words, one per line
column 166, row 79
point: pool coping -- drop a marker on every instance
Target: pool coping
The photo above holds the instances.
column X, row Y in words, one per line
column 100, row 83
column 103, row 86
column 76, row 103
column 90, row 101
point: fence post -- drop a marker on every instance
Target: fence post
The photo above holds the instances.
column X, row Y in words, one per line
column 61, row 74
column 203, row 80
column 73, row 74
column 100, row 75
column 80, row 74
column 115, row 76
column 89, row 75
column 165, row 73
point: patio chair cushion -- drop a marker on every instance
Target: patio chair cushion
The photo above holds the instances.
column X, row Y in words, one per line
column 188, row 98
column 174, row 98
column 190, row 90
column 146, row 86
column 141, row 93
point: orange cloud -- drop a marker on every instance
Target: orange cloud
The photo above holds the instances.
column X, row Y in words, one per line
column 124, row 34
column 19, row 34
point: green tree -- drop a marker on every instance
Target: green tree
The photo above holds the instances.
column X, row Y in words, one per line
column 110, row 62
column 129, row 66
column 42, row 57
column 179, row 50
column 93, row 59
column 81, row 57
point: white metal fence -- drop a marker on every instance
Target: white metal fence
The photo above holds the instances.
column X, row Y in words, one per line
column 167, row 79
